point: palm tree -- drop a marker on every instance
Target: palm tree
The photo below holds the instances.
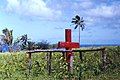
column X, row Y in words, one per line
column 8, row 36
column 22, row 41
column 79, row 22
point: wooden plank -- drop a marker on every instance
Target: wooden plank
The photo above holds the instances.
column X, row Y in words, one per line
column 89, row 50
column 84, row 50
column 49, row 56
column 37, row 51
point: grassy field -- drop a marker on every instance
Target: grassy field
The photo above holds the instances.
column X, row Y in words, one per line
column 14, row 66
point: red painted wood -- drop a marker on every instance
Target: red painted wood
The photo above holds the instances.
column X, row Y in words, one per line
column 68, row 35
column 68, row 44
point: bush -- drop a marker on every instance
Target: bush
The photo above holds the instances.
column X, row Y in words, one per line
column 14, row 66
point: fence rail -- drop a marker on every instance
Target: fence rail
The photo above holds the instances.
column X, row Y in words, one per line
column 60, row 50
column 102, row 50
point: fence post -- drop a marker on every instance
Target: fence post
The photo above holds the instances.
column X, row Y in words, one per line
column 104, row 59
column 80, row 55
column 30, row 62
column 63, row 54
column 49, row 56
column 80, row 68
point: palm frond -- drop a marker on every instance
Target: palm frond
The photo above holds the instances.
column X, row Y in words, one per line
column 82, row 26
column 77, row 17
column 76, row 26
column 78, row 21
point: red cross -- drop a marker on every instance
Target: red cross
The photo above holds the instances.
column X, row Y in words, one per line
column 68, row 44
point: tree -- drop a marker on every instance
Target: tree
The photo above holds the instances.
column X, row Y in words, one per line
column 43, row 45
column 79, row 22
column 22, row 41
column 31, row 45
column 8, row 36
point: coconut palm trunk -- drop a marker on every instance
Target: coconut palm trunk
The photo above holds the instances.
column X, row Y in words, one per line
column 79, row 22
column 79, row 35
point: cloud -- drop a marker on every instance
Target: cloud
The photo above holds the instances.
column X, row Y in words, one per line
column 106, row 11
column 83, row 4
column 37, row 8
column 98, row 14
column 103, row 15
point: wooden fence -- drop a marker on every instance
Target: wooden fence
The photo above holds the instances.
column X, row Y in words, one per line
column 49, row 55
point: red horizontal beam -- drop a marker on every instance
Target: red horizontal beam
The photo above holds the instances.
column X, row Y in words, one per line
column 68, row 45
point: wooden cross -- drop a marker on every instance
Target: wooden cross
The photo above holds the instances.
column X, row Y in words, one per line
column 68, row 45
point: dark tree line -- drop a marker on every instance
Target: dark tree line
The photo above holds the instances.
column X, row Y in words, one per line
column 26, row 44
column 40, row 45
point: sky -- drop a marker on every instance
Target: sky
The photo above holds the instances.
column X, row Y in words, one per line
column 47, row 19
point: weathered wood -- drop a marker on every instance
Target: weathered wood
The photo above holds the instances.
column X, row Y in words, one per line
column 83, row 50
column 80, row 56
column 50, row 57
column 80, row 70
column 38, row 51
column 64, row 55
column 47, row 57
column 30, row 62
column 89, row 50
column 104, row 59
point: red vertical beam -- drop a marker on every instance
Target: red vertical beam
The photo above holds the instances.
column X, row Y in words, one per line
column 68, row 35
column 68, row 45
column 68, row 39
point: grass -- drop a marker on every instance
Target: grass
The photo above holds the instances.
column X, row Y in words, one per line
column 14, row 66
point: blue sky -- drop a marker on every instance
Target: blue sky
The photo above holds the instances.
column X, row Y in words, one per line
column 47, row 19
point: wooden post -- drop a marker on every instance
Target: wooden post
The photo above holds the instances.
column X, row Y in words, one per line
column 71, row 63
column 104, row 59
column 80, row 56
column 80, row 67
column 30, row 62
column 68, row 45
column 49, row 56
column 63, row 55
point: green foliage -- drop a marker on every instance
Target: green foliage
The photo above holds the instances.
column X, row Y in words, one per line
column 15, row 66
column 42, row 45
column 12, row 65
column 114, row 56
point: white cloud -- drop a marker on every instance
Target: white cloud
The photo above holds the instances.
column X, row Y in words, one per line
column 104, row 11
column 86, row 4
column 89, row 21
column 103, row 15
column 12, row 5
column 32, row 8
